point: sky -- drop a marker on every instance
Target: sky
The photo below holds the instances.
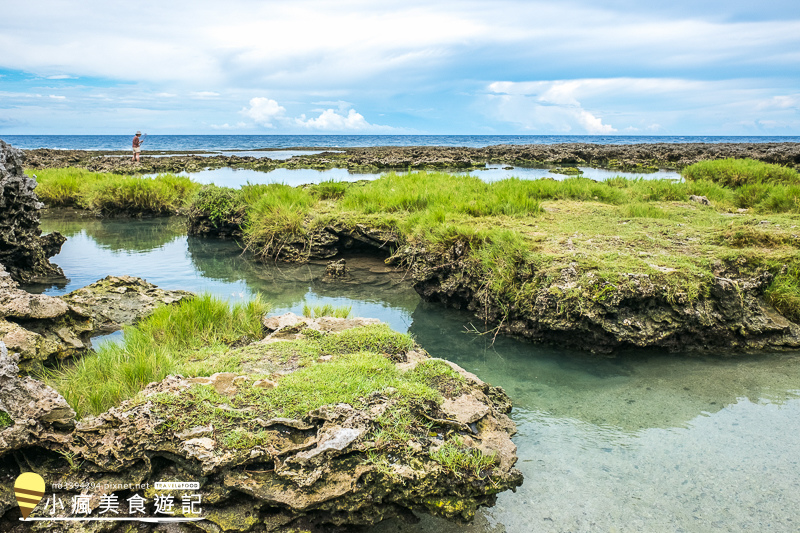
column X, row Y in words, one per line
column 613, row 67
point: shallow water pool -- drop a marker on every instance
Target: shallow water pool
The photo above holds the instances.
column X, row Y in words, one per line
column 642, row 442
column 236, row 177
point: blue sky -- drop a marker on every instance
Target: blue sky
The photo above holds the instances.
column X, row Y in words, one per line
column 424, row 67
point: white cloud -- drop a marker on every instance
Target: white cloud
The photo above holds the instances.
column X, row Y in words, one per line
column 264, row 112
column 330, row 120
column 547, row 106
column 61, row 77
column 58, row 97
column 270, row 114
column 643, row 105
column 9, row 94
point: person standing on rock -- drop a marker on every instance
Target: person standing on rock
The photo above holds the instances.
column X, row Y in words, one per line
column 137, row 146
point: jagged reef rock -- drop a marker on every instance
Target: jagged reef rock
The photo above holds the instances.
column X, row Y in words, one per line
column 23, row 250
column 275, row 446
column 46, row 328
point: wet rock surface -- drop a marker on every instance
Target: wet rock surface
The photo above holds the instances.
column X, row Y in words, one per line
column 633, row 157
column 325, row 471
column 43, row 328
column 24, row 251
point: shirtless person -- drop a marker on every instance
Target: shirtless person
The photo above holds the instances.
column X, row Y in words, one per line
column 137, row 144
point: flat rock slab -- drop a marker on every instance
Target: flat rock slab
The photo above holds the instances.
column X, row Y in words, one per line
column 118, row 300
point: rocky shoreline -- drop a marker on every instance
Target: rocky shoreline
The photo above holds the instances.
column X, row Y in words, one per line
column 326, row 471
column 632, row 157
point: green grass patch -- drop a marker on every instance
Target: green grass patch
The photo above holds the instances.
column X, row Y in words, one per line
column 439, row 375
column 737, row 172
column 130, row 195
column 167, row 342
column 377, row 338
column 329, row 189
column 447, row 194
column 65, row 187
column 5, row 420
column 643, row 210
column 112, row 194
column 781, row 199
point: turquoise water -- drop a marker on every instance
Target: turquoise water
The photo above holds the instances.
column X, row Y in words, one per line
column 641, row 442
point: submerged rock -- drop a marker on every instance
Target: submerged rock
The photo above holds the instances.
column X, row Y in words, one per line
column 24, row 251
column 336, row 269
column 385, row 452
column 43, row 328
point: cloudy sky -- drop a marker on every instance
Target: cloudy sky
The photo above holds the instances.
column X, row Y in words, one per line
column 623, row 67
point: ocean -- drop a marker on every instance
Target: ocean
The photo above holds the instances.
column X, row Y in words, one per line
column 256, row 142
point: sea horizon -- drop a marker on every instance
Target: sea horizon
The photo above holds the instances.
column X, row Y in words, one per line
column 274, row 141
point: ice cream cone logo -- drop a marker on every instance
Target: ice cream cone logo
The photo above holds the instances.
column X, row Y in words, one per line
column 29, row 489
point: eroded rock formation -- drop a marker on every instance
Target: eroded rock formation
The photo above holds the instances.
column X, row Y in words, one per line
column 23, row 250
column 334, row 467
column 641, row 312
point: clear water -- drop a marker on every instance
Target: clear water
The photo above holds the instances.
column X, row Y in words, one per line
column 255, row 142
column 236, row 177
column 643, row 442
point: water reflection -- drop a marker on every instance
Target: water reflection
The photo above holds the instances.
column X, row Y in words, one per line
column 115, row 234
column 236, row 177
column 371, row 290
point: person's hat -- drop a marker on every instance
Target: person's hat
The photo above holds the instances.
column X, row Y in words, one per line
column 138, row 133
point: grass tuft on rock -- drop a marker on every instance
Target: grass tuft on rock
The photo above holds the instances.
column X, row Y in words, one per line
column 320, row 310
column 457, row 457
column 136, row 196
column 350, row 378
column 164, row 343
column 784, row 293
column 219, row 204
column 276, row 213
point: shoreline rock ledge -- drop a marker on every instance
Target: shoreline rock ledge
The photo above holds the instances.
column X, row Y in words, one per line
column 24, row 251
column 384, row 453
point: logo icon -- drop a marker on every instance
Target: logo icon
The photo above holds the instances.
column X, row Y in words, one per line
column 29, row 489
